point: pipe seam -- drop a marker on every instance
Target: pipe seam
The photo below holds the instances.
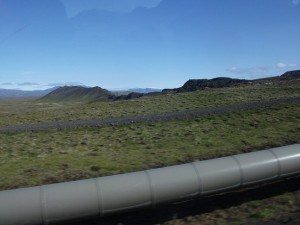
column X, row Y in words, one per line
column 43, row 205
column 199, row 179
column 278, row 163
column 152, row 194
column 99, row 197
column 240, row 169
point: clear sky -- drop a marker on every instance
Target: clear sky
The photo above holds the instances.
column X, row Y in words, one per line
column 73, row 7
column 119, row 44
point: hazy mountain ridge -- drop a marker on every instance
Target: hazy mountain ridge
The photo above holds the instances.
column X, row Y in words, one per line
column 12, row 93
column 144, row 90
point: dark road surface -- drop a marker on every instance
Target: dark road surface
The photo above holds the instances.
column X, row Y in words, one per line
column 145, row 118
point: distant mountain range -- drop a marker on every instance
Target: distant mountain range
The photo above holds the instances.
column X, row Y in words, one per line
column 12, row 93
column 144, row 90
column 87, row 94
column 72, row 92
column 84, row 94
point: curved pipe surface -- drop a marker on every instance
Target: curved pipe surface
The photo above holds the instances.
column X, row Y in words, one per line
column 112, row 194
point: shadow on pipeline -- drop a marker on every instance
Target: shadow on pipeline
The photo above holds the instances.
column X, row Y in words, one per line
column 206, row 204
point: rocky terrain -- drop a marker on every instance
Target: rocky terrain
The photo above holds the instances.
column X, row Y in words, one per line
column 221, row 82
column 290, row 75
column 200, row 84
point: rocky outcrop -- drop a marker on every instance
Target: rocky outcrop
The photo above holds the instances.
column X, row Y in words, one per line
column 131, row 95
column 290, row 75
column 200, row 84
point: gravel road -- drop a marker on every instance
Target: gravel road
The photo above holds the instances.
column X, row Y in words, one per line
column 145, row 118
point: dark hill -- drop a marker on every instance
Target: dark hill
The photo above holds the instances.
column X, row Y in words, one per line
column 76, row 93
column 221, row 82
column 200, row 84
column 131, row 95
column 84, row 94
column 290, row 75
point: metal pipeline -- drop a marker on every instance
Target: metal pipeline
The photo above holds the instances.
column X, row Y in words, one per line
column 113, row 194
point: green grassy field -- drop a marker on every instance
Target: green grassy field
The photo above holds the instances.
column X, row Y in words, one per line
column 34, row 158
column 16, row 112
column 74, row 153
column 43, row 157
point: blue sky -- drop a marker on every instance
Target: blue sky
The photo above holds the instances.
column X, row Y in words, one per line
column 161, row 44
column 73, row 7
